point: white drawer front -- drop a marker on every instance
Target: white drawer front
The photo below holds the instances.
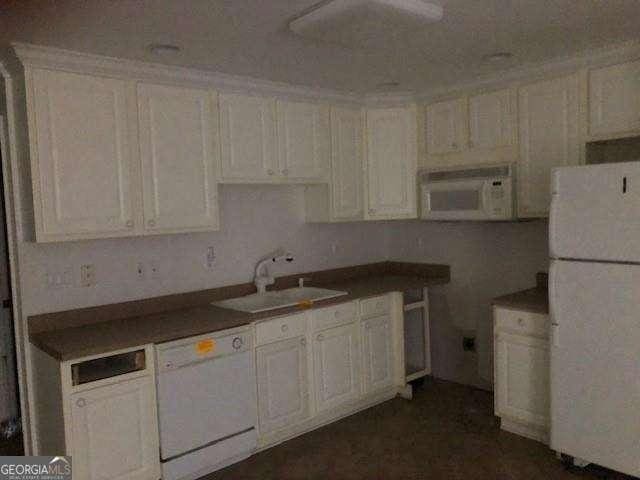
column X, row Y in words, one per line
column 522, row 322
column 281, row 328
column 334, row 316
column 375, row 306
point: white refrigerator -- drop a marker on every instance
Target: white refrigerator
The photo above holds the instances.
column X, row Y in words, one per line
column 594, row 296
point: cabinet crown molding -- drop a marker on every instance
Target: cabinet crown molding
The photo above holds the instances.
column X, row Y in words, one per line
column 61, row 59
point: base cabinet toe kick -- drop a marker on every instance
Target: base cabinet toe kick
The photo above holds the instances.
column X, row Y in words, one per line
column 182, row 409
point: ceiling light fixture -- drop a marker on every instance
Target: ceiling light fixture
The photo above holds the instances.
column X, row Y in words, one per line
column 163, row 49
column 327, row 11
column 497, row 57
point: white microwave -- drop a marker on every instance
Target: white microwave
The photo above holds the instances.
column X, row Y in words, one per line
column 473, row 193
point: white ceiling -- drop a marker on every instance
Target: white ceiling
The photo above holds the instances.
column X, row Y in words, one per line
column 250, row 37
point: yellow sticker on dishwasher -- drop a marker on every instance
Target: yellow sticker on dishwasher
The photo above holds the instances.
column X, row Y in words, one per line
column 205, row 346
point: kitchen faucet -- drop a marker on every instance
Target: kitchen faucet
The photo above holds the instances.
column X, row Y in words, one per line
column 262, row 279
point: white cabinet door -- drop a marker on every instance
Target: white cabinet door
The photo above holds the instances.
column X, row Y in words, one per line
column 304, row 140
column 346, row 163
column 81, row 155
column 614, row 99
column 522, row 378
column 377, row 352
column 391, row 163
column 491, row 120
column 248, row 138
column 549, row 137
column 283, row 384
column 336, row 366
column 446, row 127
column 115, row 432
column 178, row 157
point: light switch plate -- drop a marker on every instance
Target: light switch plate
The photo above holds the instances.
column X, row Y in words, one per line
column 87, row 275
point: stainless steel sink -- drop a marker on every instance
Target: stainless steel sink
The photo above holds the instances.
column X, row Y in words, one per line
column 262, row 302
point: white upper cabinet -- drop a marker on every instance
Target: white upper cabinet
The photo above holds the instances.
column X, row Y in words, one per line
column 346, row 163
column 178, row 157
column 81, row 155
column 549, row 122
column 491, row 120
column 391, row 163
column 446, row 126
column 304, row 140
column 614, row 100
column 248, row 138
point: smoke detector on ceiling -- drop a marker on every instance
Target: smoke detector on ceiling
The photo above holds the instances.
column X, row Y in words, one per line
column 365, row 23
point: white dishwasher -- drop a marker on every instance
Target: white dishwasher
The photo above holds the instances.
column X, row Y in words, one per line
column 206, row 402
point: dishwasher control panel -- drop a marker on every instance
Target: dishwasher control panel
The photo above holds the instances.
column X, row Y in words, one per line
column 180, row 353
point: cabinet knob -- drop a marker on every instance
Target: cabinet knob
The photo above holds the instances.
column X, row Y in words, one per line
column 320, row 337
column 336, row 314
column 151, row 223
column 237, row 343
column 270, row 172
column 129, row 224
column 520, row 321
column 81, row 402
column 454, row 145
column 284, row 328
column 367, row 326
column 303, row 341
column 285, row 172
column 471, row 144
column 372, row 211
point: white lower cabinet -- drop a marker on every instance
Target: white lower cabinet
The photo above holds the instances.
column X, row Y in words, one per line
column 377, row 353
column 336, row 366
column 522, row 372
column 100, row 410
column 115, row 432
column 283, row 391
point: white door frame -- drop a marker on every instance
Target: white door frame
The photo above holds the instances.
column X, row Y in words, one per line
column 14, row 154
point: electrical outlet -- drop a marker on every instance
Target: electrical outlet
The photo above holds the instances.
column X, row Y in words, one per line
column 87, row 275
column 334, row 248
column 140, row 271
column 58, row 278
column 154, row 270
column 420, row 242
column 469, row 344
column 211, row 257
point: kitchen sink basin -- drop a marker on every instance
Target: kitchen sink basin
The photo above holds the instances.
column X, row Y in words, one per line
column 262, row 302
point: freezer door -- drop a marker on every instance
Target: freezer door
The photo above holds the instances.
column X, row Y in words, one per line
column 595, row 363
column 595, row 212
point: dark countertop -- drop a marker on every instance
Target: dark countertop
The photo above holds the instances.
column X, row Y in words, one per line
column 534, row 300
column 78, row 341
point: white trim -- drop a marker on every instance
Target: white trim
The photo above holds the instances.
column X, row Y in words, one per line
column 531, row 72
column 56, row 58
column 13, row 217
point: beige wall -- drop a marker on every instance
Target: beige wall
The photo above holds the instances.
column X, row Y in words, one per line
column 487, row 260
column 255, row 220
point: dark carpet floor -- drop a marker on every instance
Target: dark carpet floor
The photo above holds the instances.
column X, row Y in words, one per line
column 446, row 432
